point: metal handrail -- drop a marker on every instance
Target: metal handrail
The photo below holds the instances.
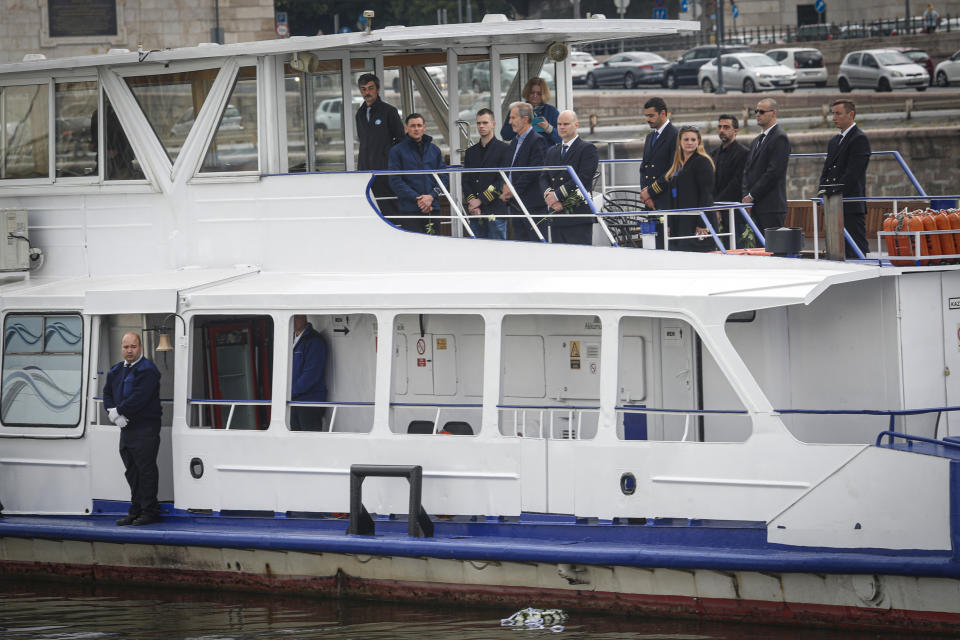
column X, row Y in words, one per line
column 906, row 436
column 520, row 428
column 335, row 405
column 233, row 404
column 687, row 413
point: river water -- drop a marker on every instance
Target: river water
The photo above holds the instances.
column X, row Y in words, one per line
column 58, row 611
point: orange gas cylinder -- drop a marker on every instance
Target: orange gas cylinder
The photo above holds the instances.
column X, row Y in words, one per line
column 946, row 239
column 897, row 245
column 932, row 240
column 953, row 215
column 914, row 222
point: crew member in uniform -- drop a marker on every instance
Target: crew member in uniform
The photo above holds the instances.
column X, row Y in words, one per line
column 483, row 189
column 561, row 193
column 131, row 397
column 658, row 150
column 308, row 382
column 378, row 129
column 845, row 170
column 765, row 174
column 525, row 150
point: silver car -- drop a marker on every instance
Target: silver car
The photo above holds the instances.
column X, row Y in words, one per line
column 807, row 61
column 880, row 69
column 749, row 72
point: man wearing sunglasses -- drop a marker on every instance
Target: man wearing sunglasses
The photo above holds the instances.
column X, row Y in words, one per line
column 765, row 173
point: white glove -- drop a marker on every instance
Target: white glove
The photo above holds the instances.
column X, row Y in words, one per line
column 121, row 422
column 112, row 414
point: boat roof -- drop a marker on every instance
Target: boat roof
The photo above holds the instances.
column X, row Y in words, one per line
column 397, row 39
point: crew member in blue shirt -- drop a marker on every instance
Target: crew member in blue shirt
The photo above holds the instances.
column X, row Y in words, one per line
column 131, row 397
column 308, row 382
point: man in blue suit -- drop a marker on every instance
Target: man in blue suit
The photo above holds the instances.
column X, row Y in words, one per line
column 561, row 193
column 308, row 382
column 131, row 397
column 845, row 170
column 658, row 150
column 526, row 150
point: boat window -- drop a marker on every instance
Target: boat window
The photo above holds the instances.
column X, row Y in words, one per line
column 670, row 388
column 109, row 353
column 388, row 92
column 550, row 376
column 437, row 374
column 24, row 124
column 232, row 361
column 332, row 372
column 171, row 102
column 314, row 105
column 76, row 106
column 234, row 145
column 42, row 370
column 121, row 162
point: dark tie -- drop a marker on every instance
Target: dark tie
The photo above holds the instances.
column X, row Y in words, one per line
column 756, row 149
column 653, row 138
column 368, row 113
column 563, row 151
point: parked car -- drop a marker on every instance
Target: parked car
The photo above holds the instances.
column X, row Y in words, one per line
column 508, row 71
column 628, row 69
column 824, row 31
column 920, row 57
column 684, row 70
column 948, row 71
column 748, row 71
column 850, row 31
column 581, row 64
column 880, row 69
column 329, row 116
column 807, row 62
column 231, row 121
column 391, row 77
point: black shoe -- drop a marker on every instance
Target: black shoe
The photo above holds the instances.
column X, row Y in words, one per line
column 124, row 521
column 146, row 518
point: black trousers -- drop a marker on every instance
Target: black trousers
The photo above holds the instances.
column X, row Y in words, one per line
column 418, row 224
column 768, row 220
column 307, row 418
column 139, row 454
column 856, row 226
column 572, row 233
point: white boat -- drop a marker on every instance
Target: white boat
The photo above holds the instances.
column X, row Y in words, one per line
column 595, row 427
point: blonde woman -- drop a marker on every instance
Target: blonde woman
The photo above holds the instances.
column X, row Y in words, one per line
column 537, row 94
column 689, row 183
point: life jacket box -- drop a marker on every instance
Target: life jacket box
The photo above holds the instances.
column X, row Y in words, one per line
column 15, row 252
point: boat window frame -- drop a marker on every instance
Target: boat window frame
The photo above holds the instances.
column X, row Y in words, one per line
column 27, row 81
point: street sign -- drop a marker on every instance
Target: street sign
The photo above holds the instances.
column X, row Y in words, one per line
column 660, row 4
column 820, row 6
column 659, row 14
column 684, row 6
column 281, row 17
column 736, row 11
column 282, row 30
column 621, row 4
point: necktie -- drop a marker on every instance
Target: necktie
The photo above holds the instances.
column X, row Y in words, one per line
column 763, row 136
column 368, row 113
column 563, row 151
column 653, row 139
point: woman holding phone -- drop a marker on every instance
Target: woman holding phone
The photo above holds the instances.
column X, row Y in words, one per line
column 545, row 115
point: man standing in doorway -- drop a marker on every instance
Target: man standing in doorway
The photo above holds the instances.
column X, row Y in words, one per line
column 378, row 129
column 308, row 381
column 131, row 397
column 765, row 174
column 845, row 171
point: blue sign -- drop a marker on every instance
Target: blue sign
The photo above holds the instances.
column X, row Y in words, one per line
column 684, row 6
column 281, row 17
column 345, row 30
column 659, row 14
column 736, row 11
column 820, row 6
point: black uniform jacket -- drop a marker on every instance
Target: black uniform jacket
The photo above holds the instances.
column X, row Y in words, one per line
column 657, row 158
column 765, row 174
column 583, row 157
column 383, row 130
column 495, row 155
column 846, row 165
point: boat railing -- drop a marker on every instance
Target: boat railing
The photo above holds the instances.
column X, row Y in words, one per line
column 950, row 443
column 891, row 413
column 554, row 415
column 199, row 403
column 98, row 404
column 460, row 218
column 437, row 427
column 687, row 414
column 334, row 408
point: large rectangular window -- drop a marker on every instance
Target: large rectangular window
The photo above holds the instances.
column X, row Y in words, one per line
column 25, row 129
column 234, row 145
column 42, row 370
column 76, row 107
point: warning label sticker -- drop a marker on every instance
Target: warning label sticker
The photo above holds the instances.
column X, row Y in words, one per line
column 421, row 362
column 441, row 344
column 574, row 348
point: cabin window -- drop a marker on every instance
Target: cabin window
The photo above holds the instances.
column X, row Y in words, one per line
column 669, row 387
column 234, row 145
column 76, row 106
column 550, row 376
column 109, row 353
column 171, row 102
column 437, row 374
column 120, row 161
column 231, row 368
column 332, row 372
column 24, row 123
column 314, row 104
column 42, row 370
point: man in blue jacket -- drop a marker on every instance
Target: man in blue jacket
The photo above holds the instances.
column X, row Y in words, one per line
column 131, row 397
column 308, row 381
column 415, row 192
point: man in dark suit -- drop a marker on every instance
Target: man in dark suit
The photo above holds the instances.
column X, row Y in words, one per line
column 765, row 173
column 729, row 159
column 525, row 151
column 845, row 171
column 307, row 380
column 131, row 397
column 378, row 129
column 658, row 151
column 561, row 194
column 483, row 189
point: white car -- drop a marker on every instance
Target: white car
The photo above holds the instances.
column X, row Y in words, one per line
column 882, row 70
column 749, row 72
column 807, row 61
column 948, row 71
column 328, row 116
column 581, row 63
